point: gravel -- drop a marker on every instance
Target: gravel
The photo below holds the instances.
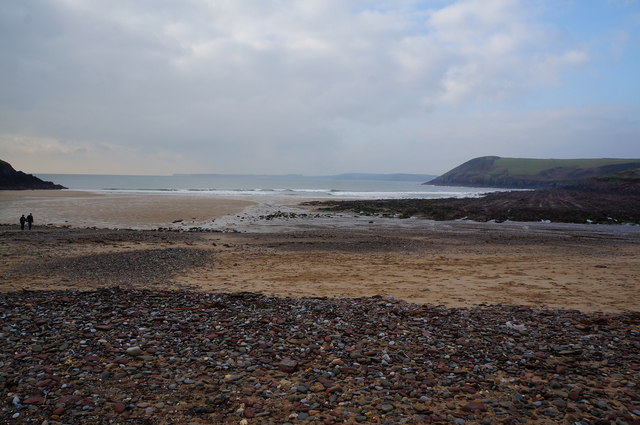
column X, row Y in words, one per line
column 148, row 266
column 117, row 356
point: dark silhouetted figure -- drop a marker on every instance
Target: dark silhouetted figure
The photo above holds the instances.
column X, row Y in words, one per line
column 22, row 221
column 30, row 220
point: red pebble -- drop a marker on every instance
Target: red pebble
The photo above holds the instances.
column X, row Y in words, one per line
column 34, row 400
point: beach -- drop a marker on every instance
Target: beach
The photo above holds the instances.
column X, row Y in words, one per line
column 172, row 309
column 276, row 248
column 113, row 209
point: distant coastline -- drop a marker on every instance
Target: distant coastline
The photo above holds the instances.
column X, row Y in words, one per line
column 345, row 176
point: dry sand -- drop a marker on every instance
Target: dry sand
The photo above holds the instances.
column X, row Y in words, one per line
column 589, row 268
column 437, row 267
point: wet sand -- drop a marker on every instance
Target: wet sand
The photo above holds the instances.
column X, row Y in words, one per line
column 301, row 253
column 114, row 210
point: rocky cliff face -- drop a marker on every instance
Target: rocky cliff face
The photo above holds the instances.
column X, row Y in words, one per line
column 10, row 179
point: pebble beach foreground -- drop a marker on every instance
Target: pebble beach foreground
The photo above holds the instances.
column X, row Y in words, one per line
column 177, row 357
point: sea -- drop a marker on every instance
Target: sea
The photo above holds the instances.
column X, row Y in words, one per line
column 350, row 186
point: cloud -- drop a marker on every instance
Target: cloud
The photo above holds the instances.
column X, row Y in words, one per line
column 33, row 154
column 240, row 86
column 551, row 133
column 496, row 49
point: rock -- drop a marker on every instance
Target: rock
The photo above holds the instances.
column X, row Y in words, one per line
column 317, row 387
column 559, row 403
column 387, row 407
column 287, row 365
column 134, row 351
column 104, row 327
column 600, row 403
column 35, row 400
column 203, row 410
column 213, row 361
column 475, row 406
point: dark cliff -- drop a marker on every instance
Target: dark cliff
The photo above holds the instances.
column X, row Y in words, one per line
column 10, row 179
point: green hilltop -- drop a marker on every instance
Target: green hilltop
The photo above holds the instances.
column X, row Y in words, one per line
column 494, row 171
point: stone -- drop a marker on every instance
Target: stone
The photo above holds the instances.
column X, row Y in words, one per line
column 387, row 407
column 475, row 406
column 134, row 351
column 35, row 400
column 317, row 387
column 287, row 365
column 213, row 360
column 559, row 403
column 104, row 327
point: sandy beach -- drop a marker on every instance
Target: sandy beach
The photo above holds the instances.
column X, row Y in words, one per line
column 258, row 312
column 278, row 249
column 113, row 209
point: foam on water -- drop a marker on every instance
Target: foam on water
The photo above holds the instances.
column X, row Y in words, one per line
column 276, row 187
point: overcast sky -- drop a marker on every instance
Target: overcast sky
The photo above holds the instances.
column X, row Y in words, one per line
column 314, row 86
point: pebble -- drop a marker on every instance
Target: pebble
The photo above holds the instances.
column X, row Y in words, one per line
column 387, row 407
column 287, row 365
column 134, row 351
column 600, row 403
column 247, row 358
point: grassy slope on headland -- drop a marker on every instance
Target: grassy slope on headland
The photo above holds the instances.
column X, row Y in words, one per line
column 493, row 171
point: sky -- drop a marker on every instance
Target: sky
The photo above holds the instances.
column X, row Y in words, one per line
column 314, row 87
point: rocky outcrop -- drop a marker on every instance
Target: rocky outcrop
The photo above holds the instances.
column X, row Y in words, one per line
column 611, row 199
column 10, row 179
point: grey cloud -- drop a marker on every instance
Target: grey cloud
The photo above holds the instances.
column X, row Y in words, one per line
column 267, row 86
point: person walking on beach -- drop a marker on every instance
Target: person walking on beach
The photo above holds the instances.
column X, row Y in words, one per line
column 30, row 220
column 22, row 221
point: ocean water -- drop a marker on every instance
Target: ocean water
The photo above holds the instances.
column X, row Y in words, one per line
column 268, row 186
